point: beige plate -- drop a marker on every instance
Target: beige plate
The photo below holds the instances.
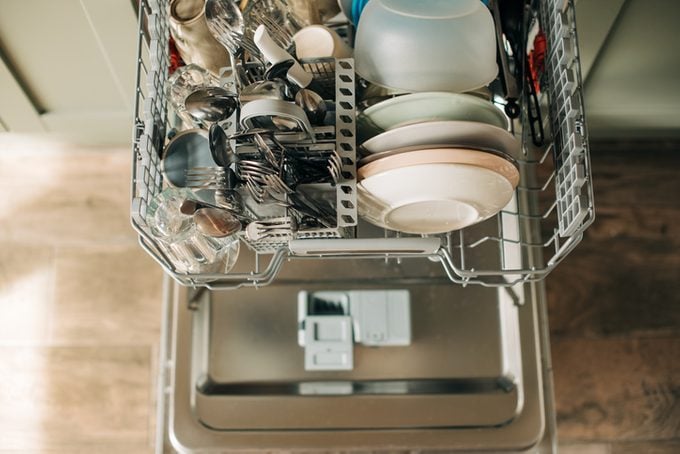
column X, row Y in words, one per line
column 443, row 156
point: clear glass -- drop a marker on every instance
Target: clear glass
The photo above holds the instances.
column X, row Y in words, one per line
column 183, row 82
column 191, row 251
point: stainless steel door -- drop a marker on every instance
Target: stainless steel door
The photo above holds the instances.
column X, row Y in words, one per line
column 475, row 377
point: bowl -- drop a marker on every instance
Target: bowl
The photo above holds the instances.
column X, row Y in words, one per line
column 428, row 45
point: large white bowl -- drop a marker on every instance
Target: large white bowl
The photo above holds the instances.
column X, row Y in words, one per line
column 426, row 45
column 432, row 198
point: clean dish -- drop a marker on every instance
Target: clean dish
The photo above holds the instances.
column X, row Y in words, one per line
column 443, row 156
column 317, row 41
column 357, row 9
column 465, row 134
column 423, row 107
column 187, row 149
column 425, row 45
column 432, row 198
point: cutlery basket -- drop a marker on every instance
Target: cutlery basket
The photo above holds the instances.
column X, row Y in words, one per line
column 545, row 220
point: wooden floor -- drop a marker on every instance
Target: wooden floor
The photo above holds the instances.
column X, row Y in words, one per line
column 614, row 307
column 80, row 308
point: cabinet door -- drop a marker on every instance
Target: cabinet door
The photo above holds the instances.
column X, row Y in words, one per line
column 68, row 68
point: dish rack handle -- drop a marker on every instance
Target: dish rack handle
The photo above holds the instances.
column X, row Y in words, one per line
column 359, row 246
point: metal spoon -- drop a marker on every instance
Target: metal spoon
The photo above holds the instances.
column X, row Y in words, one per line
column 313, row 105
column 220, row 150
column 211, row 104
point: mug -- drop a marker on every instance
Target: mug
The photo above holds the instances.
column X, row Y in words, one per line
column 317, row 41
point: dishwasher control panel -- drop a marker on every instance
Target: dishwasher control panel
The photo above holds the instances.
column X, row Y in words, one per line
column 331, row 322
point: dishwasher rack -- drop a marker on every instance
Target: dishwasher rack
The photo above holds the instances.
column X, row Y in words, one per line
column 544, row 222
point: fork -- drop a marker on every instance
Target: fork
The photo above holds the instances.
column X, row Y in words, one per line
column 215, row 178
column 281, row 227
column 335, row 167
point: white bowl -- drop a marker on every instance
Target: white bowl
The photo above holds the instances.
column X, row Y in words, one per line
column 426, row 45
column 433, row 198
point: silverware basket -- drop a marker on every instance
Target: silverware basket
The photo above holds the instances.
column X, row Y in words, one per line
column 546, row 219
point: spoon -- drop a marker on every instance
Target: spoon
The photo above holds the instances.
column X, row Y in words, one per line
column 220, row 150
column 211, row 220
column 313, row 105
column 216, row 222
column 211, row 104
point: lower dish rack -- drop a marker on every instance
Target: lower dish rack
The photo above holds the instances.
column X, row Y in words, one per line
column 545, row 220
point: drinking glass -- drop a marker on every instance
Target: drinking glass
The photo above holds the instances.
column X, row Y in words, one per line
column 189, row 250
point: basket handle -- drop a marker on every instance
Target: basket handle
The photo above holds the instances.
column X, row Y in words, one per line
column 361, row 246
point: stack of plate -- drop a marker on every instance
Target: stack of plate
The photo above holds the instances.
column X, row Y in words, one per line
column 434, row 162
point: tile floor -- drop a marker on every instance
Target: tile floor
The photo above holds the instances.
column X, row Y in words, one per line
column 79, row 304
column 80, row 311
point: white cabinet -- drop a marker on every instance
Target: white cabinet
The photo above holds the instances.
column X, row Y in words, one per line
column 68, row 68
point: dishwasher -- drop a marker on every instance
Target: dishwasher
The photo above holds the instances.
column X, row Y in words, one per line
column 353, row 338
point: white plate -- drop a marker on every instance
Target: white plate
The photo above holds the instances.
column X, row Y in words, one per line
column 423, row 107
column 432, row 198
column 464, row 134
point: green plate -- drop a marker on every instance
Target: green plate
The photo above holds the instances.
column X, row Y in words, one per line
column 422, row 107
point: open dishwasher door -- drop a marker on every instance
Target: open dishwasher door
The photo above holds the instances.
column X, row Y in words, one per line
column 475, row 376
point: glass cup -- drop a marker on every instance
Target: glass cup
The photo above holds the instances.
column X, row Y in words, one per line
column 183, row 82
column 189, row 250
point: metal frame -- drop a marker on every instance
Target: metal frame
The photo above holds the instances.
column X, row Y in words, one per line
column 559, row 206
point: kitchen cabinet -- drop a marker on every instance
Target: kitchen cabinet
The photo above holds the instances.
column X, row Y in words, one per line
column 67, row 68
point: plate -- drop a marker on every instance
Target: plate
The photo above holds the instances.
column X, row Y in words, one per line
column 432, row 198
column 424, row 107
column 466, row 134
column 443, row 156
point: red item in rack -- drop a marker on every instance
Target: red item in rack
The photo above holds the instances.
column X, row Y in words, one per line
column 175, row 60
column 537, row 59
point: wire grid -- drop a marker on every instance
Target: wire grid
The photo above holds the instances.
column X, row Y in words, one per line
column 567, row 119
column 323, row 70
column 546, row 218
column 553, row 204
column 150, row 107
